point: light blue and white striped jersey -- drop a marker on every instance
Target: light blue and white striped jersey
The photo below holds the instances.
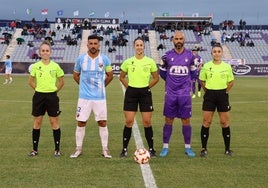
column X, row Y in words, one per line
column 8, row 64
column 92, row 76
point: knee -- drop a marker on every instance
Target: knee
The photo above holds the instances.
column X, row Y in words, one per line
column 129, row 123
column 37, row 124
column 206, row 123
column 169, row 121
column 81, row 123
column 147, row 123
column 102, row 123
column 54, row 124
column 224, row 124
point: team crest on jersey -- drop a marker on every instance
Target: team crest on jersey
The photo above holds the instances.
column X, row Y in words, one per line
column 100, row 65
column 145, row 69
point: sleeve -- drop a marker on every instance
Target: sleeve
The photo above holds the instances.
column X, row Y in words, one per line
column 202, row 75
column 33, row 70
column 164, row 61
column 124, row 66
column 108, row 64
column 60, row 71
column 193, row 62
column 154, row 67
column 163, row 67
column 193, row 66
column 77, row 66
column 231, row 75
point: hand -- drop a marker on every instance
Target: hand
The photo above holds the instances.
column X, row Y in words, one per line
column 163, row 64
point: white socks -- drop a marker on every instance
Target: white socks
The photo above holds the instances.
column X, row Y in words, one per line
column 103, row 131
column 79, row 135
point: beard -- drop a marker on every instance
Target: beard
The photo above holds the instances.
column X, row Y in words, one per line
column 93, row 50
column 178, row 45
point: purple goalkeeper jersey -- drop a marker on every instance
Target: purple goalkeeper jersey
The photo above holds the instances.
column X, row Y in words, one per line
column 177, row 72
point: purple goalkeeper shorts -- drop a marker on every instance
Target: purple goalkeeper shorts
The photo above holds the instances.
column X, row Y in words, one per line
column 178, row 106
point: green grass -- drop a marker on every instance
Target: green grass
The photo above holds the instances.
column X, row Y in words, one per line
column 248, row 168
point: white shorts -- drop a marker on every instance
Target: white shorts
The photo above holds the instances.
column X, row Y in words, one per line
column 84, row 108
column 8, row 71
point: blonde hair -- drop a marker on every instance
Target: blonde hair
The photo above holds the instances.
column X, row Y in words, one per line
column 46, row 42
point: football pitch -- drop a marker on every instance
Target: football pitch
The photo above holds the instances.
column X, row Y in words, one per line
column 247, row 168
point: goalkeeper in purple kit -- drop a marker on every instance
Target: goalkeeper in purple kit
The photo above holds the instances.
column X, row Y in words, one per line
column 176, row 71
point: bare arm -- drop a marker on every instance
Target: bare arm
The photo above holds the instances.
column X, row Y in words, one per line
column 109, row 77
column 122, row 78
column 155, row 79
column 229, row 86
column 60, row 83
column 76, row 77
column 203, row 85
column 32, row 82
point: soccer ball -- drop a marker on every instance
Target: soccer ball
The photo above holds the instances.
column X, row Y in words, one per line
column 141, row 156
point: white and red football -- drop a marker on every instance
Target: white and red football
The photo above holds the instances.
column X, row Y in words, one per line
column 141, row 156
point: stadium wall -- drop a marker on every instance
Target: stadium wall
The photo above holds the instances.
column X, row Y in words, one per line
column 239, row 70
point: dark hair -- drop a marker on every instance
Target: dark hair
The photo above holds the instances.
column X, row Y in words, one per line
column 93, row 37
column 8, row 56
column 138, row 38
column 216, row 44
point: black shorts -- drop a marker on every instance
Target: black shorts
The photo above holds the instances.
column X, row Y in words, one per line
column 45, row 102
column 138, row 96
column 216, row 99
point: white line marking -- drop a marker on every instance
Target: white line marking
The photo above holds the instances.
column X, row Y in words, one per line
column 147, row 173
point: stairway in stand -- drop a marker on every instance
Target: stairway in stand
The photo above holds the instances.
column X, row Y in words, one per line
column 12, row 45
column 153, row 47
column 83, row 47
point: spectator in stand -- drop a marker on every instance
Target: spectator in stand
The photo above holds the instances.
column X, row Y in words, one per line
column 33, row 22
column 240, row 24
column 46, row 25
column 223, row 38
column 161, row 47
column 247, row 35
column 107, row 43
column 53, row 33
column 213, row 41
column 250, row 43
column 163, row 37
column 111, row 49
column 12, row 25
column 242, row 43
column 35, row 56
column 30, row 44
column 244, row 25
column 234, row 36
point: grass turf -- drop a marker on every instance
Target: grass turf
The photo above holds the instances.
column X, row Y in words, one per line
column 248, row 167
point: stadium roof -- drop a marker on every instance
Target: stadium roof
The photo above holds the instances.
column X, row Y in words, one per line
column 175, row 19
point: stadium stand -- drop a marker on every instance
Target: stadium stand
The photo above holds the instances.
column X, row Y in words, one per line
column 117, row 42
